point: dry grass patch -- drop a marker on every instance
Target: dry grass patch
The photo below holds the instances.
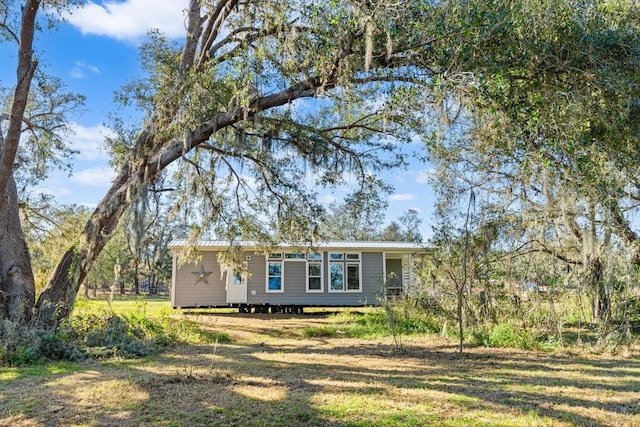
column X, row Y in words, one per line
column 272, row 373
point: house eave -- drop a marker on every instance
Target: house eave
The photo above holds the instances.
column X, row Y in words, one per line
column 346, row 245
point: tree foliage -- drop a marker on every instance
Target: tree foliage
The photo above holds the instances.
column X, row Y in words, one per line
column 224, row 107
column 539, row 116
column 532, row 106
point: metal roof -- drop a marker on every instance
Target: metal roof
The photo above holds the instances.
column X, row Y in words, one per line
column 331, row 244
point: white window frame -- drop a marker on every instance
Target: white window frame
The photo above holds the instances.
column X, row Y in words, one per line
column 315, row 256
column 346, row 276
column 276, row 258
column 294, row 256
column 331, row 289
column 346, row 259
column 310, row 261
column 339, row 258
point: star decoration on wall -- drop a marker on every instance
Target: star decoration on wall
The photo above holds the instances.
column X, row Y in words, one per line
column 201, row 275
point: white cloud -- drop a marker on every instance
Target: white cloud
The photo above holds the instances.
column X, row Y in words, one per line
column 401, row 176
column 302, row 106
column 80, row 69
column 88, row 140
column 313, row 178
column 131, row 19
column 100, row 176
column 403, row 197
column 425, row 175
column 93, row 68
column 88, row 205
column 52, row 190
column 77, row 73
column 417, row 139
column 328, row 199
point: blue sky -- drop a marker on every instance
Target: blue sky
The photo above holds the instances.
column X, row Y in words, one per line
column 95, row 52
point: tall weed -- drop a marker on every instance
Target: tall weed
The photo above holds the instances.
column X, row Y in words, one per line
column 394, row 319
column 507, row 335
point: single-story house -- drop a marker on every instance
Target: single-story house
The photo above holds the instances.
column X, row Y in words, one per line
column 288, row 278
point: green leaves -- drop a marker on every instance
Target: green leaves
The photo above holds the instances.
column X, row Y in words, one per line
column 44, row 143
column 548, row 129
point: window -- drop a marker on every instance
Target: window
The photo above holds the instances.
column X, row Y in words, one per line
column 236, row 278
column 353, row 277
column 337, row 276
column 274, row 276
column 314, row 256
column 314, row 277
column 314, row 272
column 276, row 262
column 345, row 272
column 294, row 255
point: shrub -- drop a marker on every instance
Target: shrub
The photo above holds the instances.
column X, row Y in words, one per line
column 19, row 345
column 393, row 320
column 506, row 335
column 117, row 337
column 56, row 347
column 105, row 334
column 86, row 334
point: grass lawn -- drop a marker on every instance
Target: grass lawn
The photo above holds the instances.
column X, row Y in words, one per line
column 273, row 373
column 154, row 305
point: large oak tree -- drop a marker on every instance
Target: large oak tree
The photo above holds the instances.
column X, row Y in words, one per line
column 541, row 79
column 543, row 121
column 223, row 106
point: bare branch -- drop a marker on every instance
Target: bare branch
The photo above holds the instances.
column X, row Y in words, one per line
column 194, row 27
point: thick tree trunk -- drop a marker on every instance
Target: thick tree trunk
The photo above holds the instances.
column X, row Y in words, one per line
column 600, row 299
column 17, row 287
column 56, row 300
column 25, row 71
column 153, row 284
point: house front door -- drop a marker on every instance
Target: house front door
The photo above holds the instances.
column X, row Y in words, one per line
column 236, row 287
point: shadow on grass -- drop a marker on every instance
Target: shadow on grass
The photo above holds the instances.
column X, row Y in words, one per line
column 292, row 382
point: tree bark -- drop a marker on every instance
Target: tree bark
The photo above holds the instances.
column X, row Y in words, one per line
column 151, row 155
column 136, row 278
column 600, row 299
column 56, row 300
column 25, row 70
column 17, row 286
